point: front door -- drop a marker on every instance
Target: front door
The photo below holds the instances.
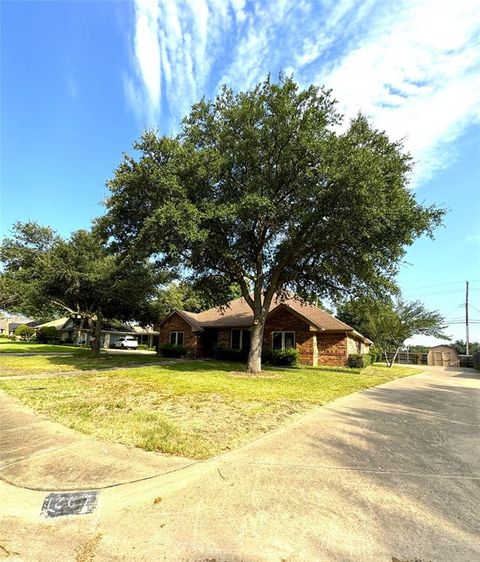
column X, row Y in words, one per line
column 208, row 341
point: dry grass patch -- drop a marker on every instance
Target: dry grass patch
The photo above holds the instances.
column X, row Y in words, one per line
column 195, row 409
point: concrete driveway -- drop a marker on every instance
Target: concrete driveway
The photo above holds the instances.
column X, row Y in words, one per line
column 388, row 474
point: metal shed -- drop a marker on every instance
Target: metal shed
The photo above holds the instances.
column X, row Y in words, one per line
column 443, row 356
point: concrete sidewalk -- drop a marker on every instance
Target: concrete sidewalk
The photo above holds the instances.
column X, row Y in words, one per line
column 388, row 474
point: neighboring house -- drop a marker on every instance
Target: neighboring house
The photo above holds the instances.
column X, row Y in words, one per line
column 8, row 324
column 71, row 332
column 319, row 338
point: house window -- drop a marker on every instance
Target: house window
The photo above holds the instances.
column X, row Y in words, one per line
column 240, row 339
column 176, row 338
column 283, row 340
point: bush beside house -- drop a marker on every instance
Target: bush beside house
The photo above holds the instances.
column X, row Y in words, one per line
column 24, row 332
column 48, row 334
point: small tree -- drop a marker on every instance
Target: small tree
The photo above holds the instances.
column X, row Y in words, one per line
column 24, row 332
column 75, row 276
column 389, row 323
column 260, row 189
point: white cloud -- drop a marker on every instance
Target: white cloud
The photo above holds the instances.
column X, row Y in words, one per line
column 413, row 67
column 144, row 90
column 416, row 74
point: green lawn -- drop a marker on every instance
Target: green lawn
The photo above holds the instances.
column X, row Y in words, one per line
column 8, row 346
column 195, row 409
column 81, row 360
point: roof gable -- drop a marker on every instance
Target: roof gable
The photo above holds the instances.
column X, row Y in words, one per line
column 188, row 317
column 59, row 323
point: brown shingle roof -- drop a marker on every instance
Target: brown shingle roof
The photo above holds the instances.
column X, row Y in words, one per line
column 239, row 314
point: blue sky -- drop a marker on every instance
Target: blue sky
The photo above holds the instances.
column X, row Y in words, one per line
column 80, row 80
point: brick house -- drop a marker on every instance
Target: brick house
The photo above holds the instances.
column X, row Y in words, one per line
column 320, row 338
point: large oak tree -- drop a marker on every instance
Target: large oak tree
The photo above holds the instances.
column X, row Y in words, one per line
column 266, row 188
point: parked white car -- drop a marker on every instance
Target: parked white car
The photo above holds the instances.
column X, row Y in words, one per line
column 126, row 342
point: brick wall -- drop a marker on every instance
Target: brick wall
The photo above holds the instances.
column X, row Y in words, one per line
column 332, row 348
column 177, row 324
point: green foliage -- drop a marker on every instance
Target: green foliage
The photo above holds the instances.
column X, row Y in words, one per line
column 375, row 354
column 418, row 349
column 145, row 347
column 48, row 334
column 388, row 323
column 186, row 295
column 171, row 350
column 461, row 347
column 260, row 189
column 78, row 276
column 359, row 360
column 25, row 332
column 281, row 357
column 23, row 260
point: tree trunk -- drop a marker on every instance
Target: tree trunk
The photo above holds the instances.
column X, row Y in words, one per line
column 395, row 356
column 97, row 333
column 254, row 364
column 385, row 353
column 387, row 360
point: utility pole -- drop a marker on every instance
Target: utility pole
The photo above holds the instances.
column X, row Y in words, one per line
column 466, row 319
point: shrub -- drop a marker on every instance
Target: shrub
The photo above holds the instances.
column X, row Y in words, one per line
column 24, row 332
column 281, row 357
column 48, row 334
column 358, row 361
column 171, row 350
column 369, row 358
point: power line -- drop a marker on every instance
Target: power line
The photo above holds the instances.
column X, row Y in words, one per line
column 439, row 285
column 463, row 322
column 446, row 292
column 475, row 308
